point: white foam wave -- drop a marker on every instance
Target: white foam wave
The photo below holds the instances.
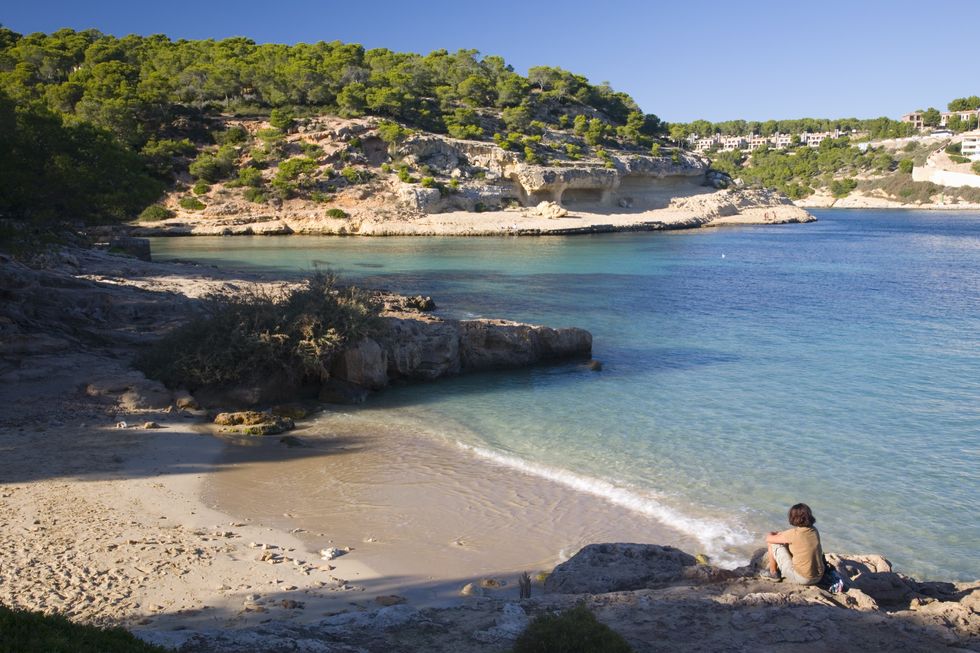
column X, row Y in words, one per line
column 714, row 535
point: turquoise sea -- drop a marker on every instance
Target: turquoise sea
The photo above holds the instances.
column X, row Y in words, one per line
column 745, row 369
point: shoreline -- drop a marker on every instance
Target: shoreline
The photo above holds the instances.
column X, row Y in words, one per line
column 386, row 485
column 692, row 211
column 865, row 202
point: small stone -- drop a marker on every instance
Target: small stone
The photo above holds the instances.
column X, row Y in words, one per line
column 332, row 552
column 472, row 589
column 389, row 600
column 151, row 425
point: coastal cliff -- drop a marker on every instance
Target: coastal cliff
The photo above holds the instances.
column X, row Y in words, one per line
column 431, row 184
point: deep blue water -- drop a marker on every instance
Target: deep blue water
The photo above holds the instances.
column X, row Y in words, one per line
column 836, row 363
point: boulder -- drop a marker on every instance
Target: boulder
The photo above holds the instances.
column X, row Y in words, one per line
column 498, row 344
column 550, row 210
column 365, row 364
column 600, row 568
column 252, row 422
column 421, row 349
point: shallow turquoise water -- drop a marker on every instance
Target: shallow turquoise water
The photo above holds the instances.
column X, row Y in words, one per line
column 836, row 363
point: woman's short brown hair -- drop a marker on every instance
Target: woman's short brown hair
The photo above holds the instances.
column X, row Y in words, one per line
column 801, row 515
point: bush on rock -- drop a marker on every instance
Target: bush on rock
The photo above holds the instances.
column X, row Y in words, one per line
column 260, row 336
column 573, row 631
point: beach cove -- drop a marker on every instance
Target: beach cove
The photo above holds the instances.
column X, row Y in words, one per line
column 707, row 311
column 465, row 482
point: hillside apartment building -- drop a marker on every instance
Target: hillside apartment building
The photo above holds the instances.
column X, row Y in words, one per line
column 970, row 147
column 915, row 117
column 778, row 141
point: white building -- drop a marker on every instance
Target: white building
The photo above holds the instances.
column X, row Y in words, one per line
column 971, row 145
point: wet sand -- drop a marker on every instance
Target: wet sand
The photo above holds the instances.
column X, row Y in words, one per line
column 423, row 517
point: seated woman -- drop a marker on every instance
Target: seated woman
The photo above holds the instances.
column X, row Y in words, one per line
column 795, row 554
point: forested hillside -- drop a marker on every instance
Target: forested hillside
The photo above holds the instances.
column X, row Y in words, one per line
column 143, row 106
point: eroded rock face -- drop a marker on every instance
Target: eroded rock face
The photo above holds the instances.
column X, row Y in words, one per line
column 423, row 347
column 600, row 568
column 365, row 364
column 615, row 180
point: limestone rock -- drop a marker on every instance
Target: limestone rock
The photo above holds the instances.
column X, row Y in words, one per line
column 365, row 364
column 252, row 422
column 498, row 344
column 421, row 349
column 550, row 210
column 508, row 625
column 418, row 198
column 601, row 568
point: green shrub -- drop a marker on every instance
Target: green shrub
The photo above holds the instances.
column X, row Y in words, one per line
column 190, row 203
column 428, row 182
column 905, row 166
column 311, row 150
column 454, row 185
column 155, row 212
column 597, row 132
column 292, row 174
column 281, row 119
column 975, row 167
column 234, row 135
column 321, row 197
column 954, row 148
column 201, row 187
column 466, row 132
column 842, row 187
column 392, row 133
column 404, row 175
column 163, row 156
column 33, row 632
column 336, row 213
column 531, row 156
column 256, row 195
column 270, row 135
column 249, row 176
column 573, row 151
column 257, row 334
column 573, row 631
column 351, row 175
column 956, row 158
column 213, row 167
column 385, row 167
column 655, row 149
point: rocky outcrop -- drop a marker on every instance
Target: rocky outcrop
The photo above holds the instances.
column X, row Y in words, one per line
column 251, row 422
column 416, row 346
column 659, row 599
column 617, row 180
column 600, row 568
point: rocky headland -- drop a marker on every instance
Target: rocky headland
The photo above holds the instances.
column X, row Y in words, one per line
column 469, row 188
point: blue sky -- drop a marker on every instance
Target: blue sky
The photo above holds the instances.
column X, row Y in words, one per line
column 710, row 59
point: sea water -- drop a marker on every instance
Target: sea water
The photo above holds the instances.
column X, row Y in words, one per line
column 744, row 369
